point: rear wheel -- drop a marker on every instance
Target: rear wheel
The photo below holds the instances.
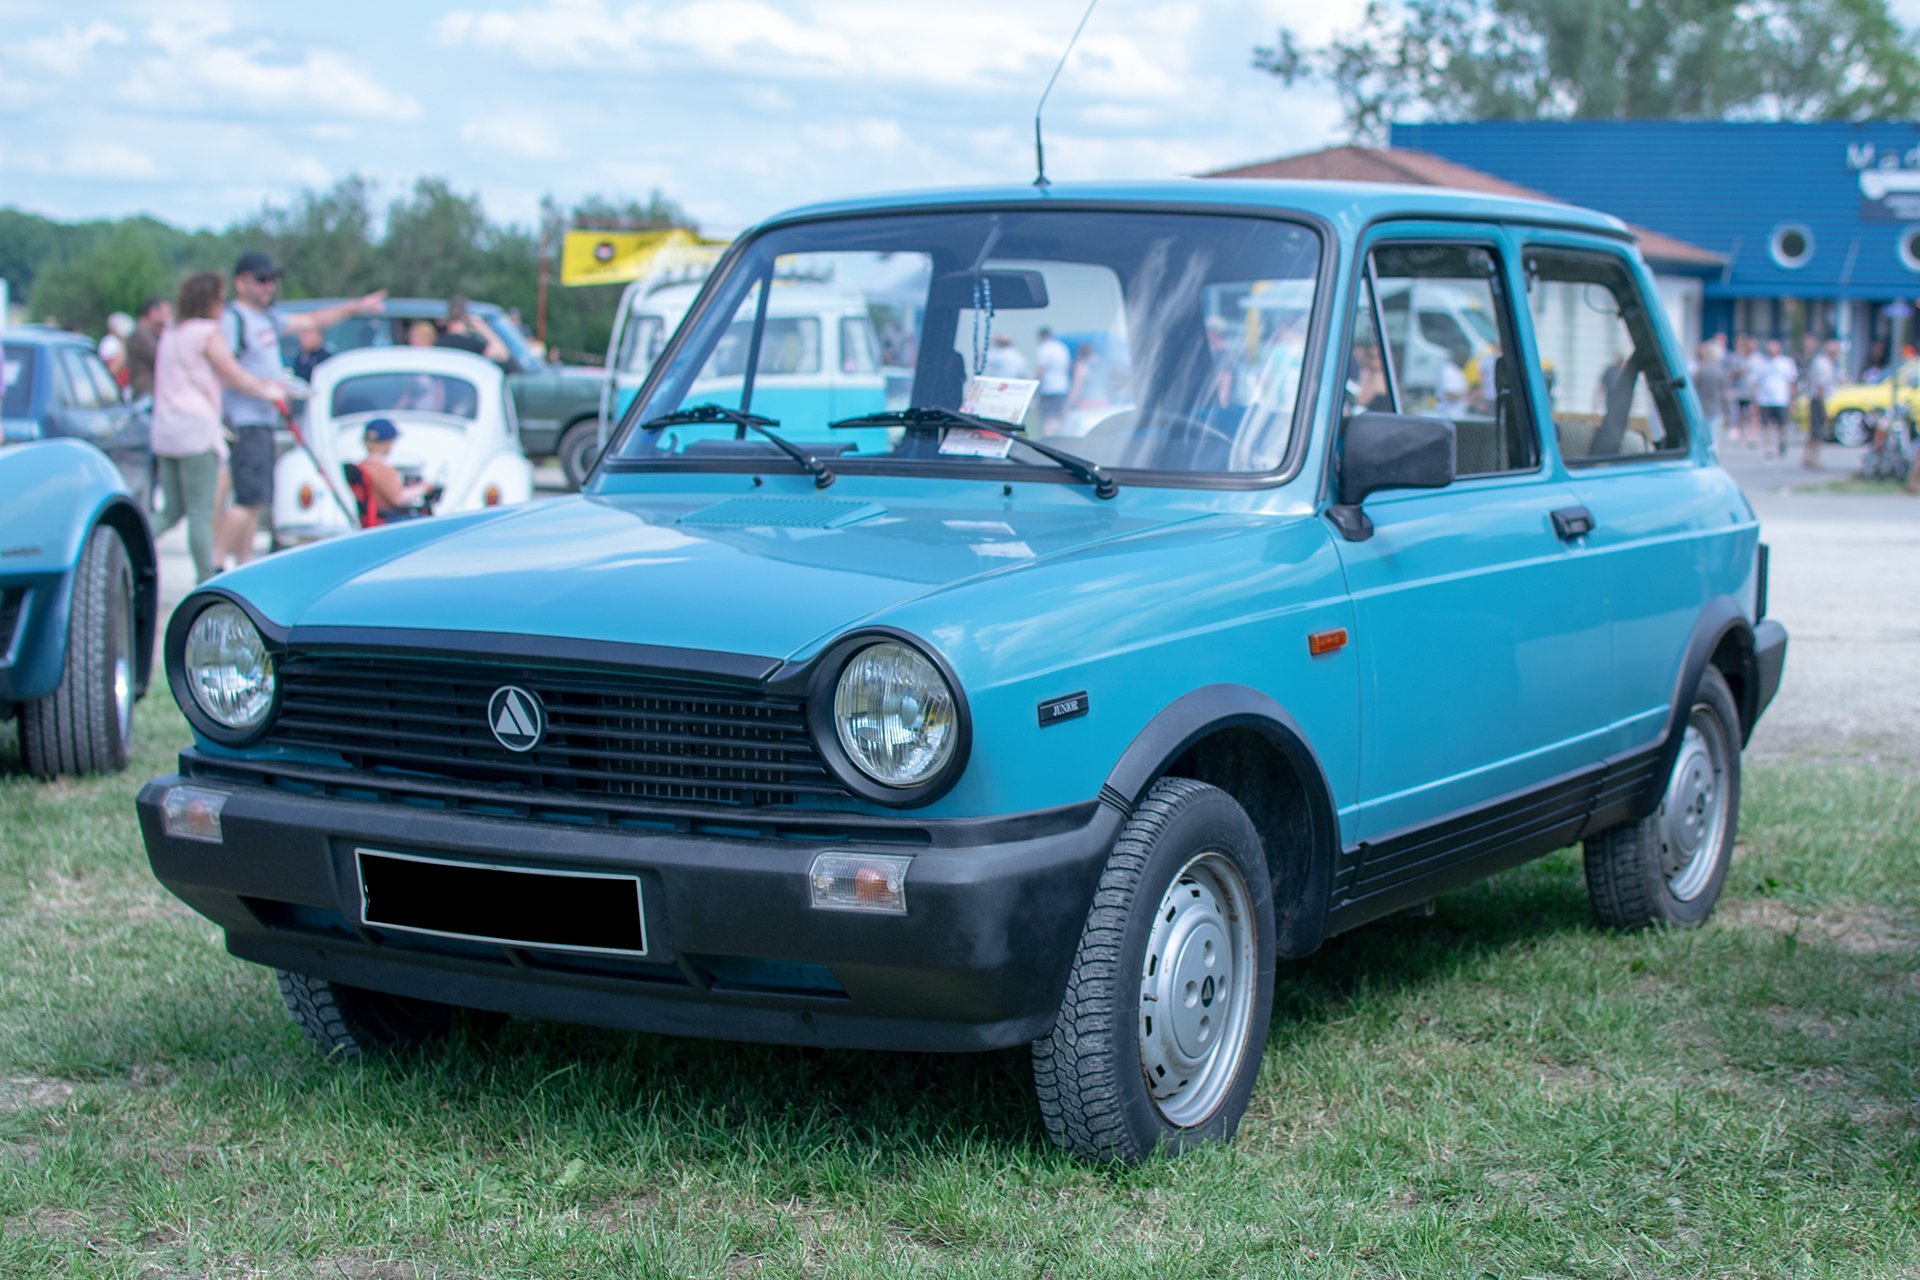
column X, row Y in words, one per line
column 86, row 724
column 577, row 451
column 1850, row 428
column 1159, row 1038
column 1669, row 868
column 343, row 1021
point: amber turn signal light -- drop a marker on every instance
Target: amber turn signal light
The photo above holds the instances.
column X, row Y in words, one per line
column 1319, row 642
column 493, row 495
column 306, row 496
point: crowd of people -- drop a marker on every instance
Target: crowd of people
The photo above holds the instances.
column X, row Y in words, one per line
column 1748, row 391
column 212, row 365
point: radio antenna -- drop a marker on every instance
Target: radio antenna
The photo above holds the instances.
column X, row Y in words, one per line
column 1039, row 147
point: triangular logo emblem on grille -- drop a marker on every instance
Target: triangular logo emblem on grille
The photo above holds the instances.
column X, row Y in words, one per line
column 518, row 718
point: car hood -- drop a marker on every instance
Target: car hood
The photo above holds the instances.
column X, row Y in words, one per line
column 759, row 575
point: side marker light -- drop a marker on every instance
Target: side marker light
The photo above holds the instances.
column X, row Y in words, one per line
column 1319, row 642
column 193, row 813
column 860, row 882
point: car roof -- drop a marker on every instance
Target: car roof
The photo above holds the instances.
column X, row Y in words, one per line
column 44, row 336
column 446, row 360
column 394, row 308
column 1350, row 204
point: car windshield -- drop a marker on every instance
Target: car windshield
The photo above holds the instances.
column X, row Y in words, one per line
column 421, row 392
column 1146, row 341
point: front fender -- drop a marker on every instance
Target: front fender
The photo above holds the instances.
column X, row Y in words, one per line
column 53, row 495
column 1302, row 876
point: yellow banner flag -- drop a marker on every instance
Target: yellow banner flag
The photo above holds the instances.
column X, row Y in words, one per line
column 615, row 257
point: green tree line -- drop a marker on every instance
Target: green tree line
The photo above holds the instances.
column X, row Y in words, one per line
column 1611, row 59
column 431, row 243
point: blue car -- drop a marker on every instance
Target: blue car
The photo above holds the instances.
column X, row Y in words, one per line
column 78, row 603
column 58, row 386
column 1046, row 709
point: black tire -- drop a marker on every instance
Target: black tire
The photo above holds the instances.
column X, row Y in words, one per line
column 86, row 724
column 1090, row 1073
column 1669, row 868
column 578, row 448
column 345, row 1022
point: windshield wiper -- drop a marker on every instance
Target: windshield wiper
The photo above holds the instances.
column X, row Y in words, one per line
column 926, row 418
column 745, row 422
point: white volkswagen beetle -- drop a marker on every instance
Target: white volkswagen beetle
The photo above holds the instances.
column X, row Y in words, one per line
column 457, row 433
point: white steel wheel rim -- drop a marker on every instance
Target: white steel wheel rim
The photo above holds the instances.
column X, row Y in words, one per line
column 1196, row 990
column 1693, row 815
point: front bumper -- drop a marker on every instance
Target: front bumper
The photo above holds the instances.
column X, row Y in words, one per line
column 979, row 961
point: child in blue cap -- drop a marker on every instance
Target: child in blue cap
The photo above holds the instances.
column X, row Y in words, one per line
column 392, row 498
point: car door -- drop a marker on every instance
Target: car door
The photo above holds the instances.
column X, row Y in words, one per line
column 1665, row 526
column 1485, row 660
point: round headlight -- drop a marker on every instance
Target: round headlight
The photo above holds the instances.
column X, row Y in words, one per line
column 228, row 668
column 894, row 715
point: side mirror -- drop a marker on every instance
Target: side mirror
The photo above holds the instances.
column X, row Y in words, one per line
column 1389, row 451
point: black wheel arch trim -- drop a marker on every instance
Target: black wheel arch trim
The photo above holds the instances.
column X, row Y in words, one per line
column 124, row 517
column 1300, row 916
column 1722, row 636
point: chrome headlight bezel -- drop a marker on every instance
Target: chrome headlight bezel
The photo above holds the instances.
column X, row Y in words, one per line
column 271, row 641
column 822, row 721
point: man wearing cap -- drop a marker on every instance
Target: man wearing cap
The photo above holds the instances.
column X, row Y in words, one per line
column 252, row 329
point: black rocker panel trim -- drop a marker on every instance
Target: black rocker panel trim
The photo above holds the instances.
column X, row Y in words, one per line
column 1378, row 877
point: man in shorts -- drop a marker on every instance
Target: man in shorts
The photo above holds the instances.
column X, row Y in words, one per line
column 252, row 329
column 1774, row 379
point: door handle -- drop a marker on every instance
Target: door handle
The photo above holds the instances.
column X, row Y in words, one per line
column 1572, row 522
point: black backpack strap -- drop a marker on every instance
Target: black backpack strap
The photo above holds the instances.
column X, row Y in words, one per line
column 239, row 328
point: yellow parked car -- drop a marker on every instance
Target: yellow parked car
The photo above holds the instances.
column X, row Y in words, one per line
column 1848, row 407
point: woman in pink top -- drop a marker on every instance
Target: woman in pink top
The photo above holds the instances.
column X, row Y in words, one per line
column 189, row 443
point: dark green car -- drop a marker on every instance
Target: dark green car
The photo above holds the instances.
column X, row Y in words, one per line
column 558, row 406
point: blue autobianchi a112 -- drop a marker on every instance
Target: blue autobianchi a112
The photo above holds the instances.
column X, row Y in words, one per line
column 1228, row 565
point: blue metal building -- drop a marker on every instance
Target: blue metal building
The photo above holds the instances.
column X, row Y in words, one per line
column 1820, row 223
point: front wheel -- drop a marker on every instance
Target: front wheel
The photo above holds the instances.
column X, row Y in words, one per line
column 86, row 724
column 1159, row 1038
column 1850, row 428
column 345, row 1022
column 1668, row 868
column 577, row 451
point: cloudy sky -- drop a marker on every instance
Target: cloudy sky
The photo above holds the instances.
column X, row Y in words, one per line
column 199, row 110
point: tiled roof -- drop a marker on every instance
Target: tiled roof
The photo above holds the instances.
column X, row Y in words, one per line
column 1424, row 169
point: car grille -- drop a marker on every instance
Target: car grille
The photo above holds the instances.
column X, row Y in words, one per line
column 607, row 735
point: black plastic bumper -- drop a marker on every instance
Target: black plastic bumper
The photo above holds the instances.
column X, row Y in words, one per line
column 1770, row 658
column 979, row 961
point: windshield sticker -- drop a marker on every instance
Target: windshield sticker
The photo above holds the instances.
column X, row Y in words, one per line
column 1001, row 399
column 965, row 442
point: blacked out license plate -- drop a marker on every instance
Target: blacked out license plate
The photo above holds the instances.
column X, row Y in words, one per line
column 513, row 906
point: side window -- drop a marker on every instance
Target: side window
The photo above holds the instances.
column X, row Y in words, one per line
column 1366, row 381
column 106, row 390
column 1449, row 342
column 80, row 393
column 858, row 351
column 1612, row 394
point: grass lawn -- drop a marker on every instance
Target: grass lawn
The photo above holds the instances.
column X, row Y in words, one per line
column 1500, row 1089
